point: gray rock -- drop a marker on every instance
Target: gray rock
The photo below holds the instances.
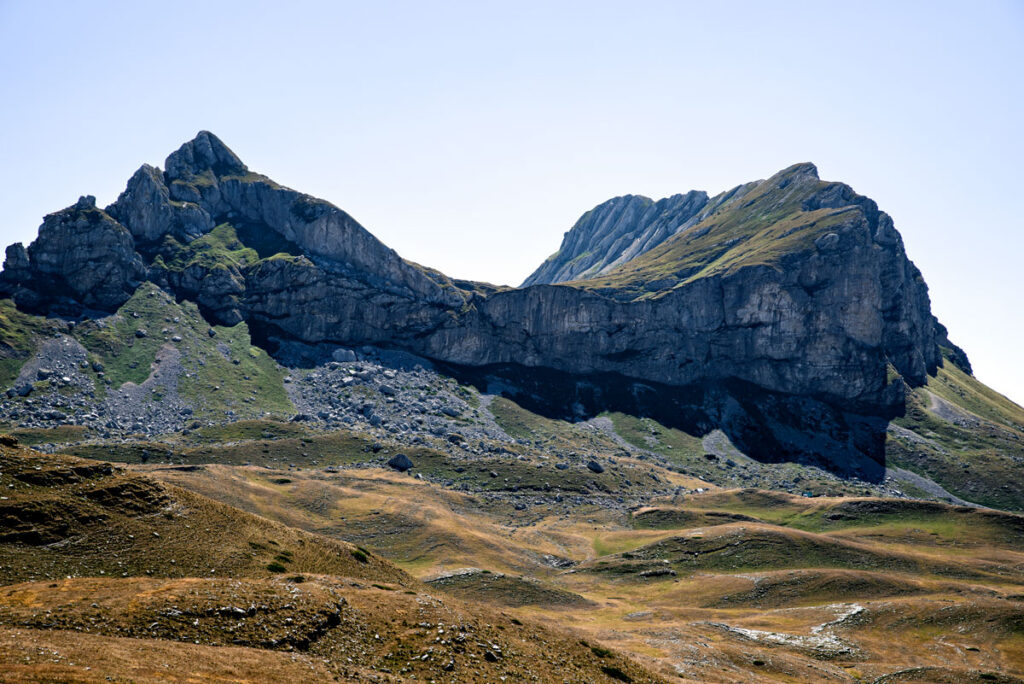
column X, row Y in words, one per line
column 827, row 242
column 595, row 467
column 16, row 264
column 145, row 208
column 343, row 355
column 824, row 323
column 81, row 252
column 400, row 462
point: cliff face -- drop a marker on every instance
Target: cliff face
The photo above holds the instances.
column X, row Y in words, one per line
column 792, row 285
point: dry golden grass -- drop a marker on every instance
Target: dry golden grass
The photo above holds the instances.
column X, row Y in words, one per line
column 63, row 516
column 811, row 559
column 332, row 627
column 172, row 586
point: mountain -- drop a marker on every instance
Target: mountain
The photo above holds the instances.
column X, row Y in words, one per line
column 782, row 307
column 715, row 439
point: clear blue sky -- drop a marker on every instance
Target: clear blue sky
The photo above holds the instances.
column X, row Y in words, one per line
column 470, row 136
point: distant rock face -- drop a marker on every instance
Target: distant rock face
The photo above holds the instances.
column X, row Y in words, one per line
column 82, row 255
column 819, row 300
column 614, row 232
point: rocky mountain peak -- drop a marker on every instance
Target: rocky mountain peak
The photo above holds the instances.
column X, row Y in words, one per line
column 205, row 152
column 85, row 202
column 800, row 172
column 146, row 209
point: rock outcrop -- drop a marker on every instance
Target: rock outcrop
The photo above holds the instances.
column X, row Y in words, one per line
column 146, row 209
column 82, row 257
column 791, row 286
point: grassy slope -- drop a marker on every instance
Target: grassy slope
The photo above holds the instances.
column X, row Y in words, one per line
column 833, row 514
column 778, row 569
column 139, row 563
column 220, row 248
column 966, row 437
column 685, row 453
column 64, row 516
column 334, row 629
column 20, row 335
column 222, row 372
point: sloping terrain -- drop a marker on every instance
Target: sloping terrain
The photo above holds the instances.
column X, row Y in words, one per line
column 339, row 628
column 69, row 517
column 94, row 556
column 781, row 320
column 719, row 585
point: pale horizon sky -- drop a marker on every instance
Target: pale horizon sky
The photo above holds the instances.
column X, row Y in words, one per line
column 470, row 136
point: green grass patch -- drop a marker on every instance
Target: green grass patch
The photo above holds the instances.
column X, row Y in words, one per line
column 552, row 434
column 679, row 447
column 54, row 435
column 222, row 372
column 220, row 248
column 972, row 457
column 956, row 387
column 248, row 430
column 124, row 452
column 20, row 335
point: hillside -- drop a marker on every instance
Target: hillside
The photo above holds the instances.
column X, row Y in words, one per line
column 96, row 557
column 827, row 588
column 65, row 517
column 782, row 321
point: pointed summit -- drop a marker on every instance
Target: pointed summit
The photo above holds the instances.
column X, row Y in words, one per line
column 205, row 152
column 802, row 172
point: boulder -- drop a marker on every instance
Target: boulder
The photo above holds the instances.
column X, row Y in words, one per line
column 343, row 355
column 400, row 462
